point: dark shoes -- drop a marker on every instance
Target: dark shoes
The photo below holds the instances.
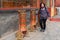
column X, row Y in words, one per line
column 42, row 30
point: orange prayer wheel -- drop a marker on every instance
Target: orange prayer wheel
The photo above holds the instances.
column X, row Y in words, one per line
column 22, row 21
column 33, row 19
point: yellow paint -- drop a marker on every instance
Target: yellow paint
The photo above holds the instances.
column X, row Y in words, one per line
column 52, row 11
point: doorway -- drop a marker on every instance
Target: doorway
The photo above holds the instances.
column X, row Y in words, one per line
column 57, row 6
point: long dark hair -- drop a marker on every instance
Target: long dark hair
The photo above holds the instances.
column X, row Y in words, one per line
column 43, row 4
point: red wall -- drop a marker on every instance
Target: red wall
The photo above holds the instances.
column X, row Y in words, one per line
column 57, row 3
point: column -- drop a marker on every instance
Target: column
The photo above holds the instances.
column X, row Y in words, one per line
column 38, row 3
column 52, row 8
column 33, row 19
column 1, row 3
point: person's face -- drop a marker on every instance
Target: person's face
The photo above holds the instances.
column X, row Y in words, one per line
column 42, row 5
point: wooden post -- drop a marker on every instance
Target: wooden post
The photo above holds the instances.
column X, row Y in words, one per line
column 1, row 3
column 38, row 3
column 33, row 19
column 52, row 8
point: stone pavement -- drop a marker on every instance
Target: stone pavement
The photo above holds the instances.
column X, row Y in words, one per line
column 52, row 32
column 8, row 23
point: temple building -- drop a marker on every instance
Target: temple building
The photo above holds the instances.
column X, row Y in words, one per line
column 25, row 18
column 51, row 4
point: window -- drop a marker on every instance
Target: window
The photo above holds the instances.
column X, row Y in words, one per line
column 33, row 2
column 7, row 3
column 18, row 3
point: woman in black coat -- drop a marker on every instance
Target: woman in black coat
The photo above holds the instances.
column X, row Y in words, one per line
column 44, row 14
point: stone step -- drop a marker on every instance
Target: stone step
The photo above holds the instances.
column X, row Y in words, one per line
column 55, row 19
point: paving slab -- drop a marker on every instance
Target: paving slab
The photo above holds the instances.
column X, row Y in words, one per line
column 52, row 32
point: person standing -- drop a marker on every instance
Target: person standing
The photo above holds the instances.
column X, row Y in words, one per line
column 44, row 15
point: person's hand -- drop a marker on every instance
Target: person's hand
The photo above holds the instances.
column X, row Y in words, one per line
column 48, row 17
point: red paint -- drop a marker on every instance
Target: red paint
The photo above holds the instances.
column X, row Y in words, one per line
column 8, row 8
column 57, row 2
column 49, row 10
column 55, row 19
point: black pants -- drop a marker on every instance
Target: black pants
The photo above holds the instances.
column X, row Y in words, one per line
column 43, row 23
